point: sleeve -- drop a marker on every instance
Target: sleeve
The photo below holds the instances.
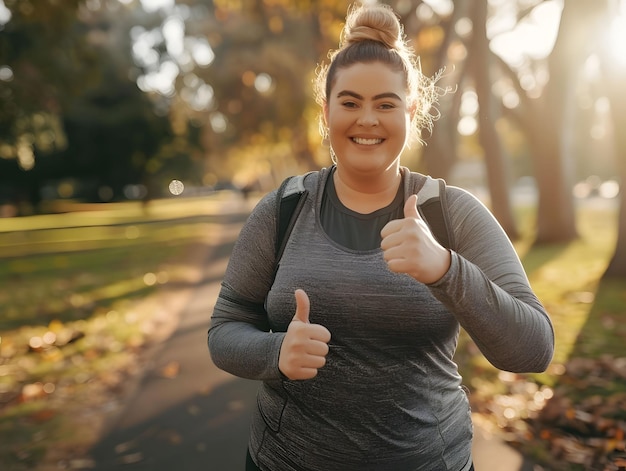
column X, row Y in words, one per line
column 487, row 289
column 239, row 337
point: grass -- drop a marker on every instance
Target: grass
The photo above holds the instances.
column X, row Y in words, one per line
column 72, row 325
column 96, row 266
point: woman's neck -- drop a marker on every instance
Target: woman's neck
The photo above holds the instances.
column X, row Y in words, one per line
column 365, row 196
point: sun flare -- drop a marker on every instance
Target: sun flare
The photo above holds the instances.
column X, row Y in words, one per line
column 617, row 37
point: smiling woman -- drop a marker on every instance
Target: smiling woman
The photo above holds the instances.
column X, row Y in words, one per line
column 352, row 331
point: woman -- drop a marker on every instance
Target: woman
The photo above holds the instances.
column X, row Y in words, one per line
column 353, row 338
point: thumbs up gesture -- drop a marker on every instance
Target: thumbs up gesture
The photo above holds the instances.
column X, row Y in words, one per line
column 305, row 345
column 409, row 246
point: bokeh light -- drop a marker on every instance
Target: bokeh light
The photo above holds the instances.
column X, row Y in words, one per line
column 176, row 187
column 149, row 279
column 6, row 73
column 5, row 14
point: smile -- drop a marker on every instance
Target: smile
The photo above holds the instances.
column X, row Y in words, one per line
column 366, row 142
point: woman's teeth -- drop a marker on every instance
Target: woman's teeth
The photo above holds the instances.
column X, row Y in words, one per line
column 366, row 142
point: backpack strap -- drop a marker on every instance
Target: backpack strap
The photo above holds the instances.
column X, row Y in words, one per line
column 290, row 199
column 432, row 202
column 291, row 196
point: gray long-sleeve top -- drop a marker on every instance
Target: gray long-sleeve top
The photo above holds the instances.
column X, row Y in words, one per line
column 389, row 396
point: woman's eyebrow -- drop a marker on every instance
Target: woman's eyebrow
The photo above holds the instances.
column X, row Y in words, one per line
column 360, row 97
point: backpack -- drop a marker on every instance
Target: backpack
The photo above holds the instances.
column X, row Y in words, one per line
column 291, row 196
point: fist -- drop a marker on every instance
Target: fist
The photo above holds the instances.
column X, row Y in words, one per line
column 305, row 345
column 409, row 247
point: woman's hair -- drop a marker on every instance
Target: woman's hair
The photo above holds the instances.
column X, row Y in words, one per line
column 373, row 33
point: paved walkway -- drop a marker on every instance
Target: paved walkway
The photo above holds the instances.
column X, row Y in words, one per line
column 186, row 415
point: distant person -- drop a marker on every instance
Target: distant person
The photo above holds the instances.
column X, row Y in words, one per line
column 353, row 338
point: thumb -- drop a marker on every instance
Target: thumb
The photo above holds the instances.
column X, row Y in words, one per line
column 302, row 306
column 410, row 208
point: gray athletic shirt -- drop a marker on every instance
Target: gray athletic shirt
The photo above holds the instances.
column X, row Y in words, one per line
column 390, row 396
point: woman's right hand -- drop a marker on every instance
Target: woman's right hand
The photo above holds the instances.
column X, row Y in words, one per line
column 305, row 345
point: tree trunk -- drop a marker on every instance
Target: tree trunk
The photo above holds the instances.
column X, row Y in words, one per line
column 617, row 265
column 544, row 119
column 615, row 78
column 497, row 175
column 439, row 154
column 554, row 167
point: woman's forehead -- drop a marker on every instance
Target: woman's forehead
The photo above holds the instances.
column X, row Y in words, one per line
column 369, row 80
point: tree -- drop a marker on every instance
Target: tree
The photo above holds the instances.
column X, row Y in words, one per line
column 495, row 161
column 71, row 112
column 552, row 158
column 433, row 40
column 40, row 45
column 546, row 121
column 617, row 264
column 615, row 77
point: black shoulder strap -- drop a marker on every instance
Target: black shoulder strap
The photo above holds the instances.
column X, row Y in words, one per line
column 289, row 201
column 291, row 196
column 431, row 205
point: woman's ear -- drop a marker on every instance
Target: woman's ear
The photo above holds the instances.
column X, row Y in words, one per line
column 412, row 110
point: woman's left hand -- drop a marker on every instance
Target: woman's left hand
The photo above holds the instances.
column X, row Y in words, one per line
column 410, row 247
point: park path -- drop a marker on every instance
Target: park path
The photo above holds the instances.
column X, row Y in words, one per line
column 184, row 414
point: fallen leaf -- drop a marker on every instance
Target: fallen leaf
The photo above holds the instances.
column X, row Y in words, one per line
column 132, row 458
column 43, row 415
column 171, row 370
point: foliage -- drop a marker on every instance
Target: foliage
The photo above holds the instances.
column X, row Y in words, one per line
column 42, row 43
column 120, row 93
column 70, row 111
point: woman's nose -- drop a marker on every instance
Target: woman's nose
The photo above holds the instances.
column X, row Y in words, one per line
column 367, row 118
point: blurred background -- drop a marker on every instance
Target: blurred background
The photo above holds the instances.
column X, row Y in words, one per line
column 109, row 100
column 133, row 131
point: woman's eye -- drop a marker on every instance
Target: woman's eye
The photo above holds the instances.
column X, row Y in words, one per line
column 349, row 104
column 387, row 106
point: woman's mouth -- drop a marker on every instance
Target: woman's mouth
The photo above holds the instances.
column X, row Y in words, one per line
column 366, row 142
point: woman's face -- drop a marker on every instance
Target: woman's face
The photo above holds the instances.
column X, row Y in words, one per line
column 368, row 118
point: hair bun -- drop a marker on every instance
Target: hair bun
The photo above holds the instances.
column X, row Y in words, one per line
column 375, row 23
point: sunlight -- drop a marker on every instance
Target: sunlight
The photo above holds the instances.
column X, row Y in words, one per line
column 151, row 6
column 174, row 33
column 201, row 51
column 533, row 38
column 162, row 80
column 6, row 73
column 182, row 52
column 219, row 122
column 441, row 7
column 617, row 37
column 5, row 14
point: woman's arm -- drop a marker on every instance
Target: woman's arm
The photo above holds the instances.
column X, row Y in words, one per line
column 488, row 291
column 239, row 338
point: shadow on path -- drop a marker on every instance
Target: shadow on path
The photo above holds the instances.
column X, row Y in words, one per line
column 205, row 432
